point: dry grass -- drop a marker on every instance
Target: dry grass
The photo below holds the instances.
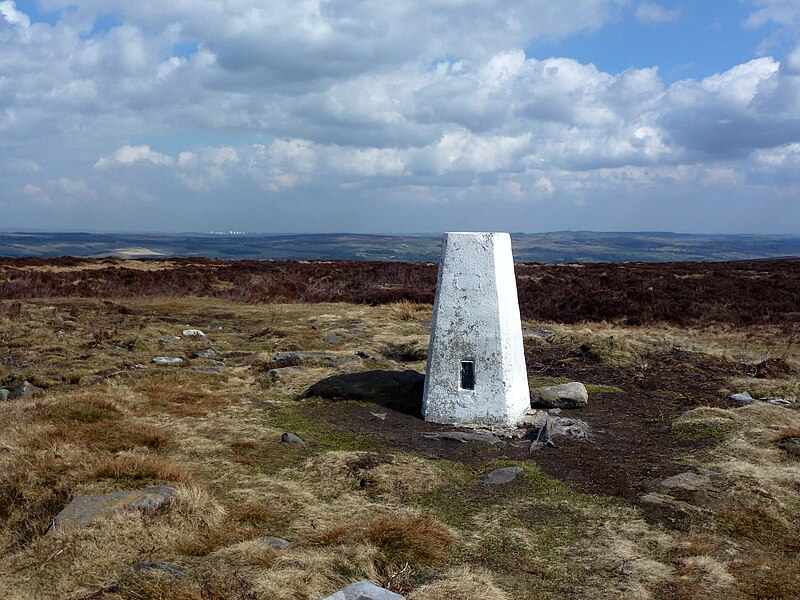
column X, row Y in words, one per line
column 181, row 395
column 132, row 468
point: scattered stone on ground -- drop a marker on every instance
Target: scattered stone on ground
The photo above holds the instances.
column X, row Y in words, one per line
column 193, row 333
column 367, row 355
column 790, row 445
column 290, row 438
column 344, row 361
column 85, row 510
column 167, row 360
column 206, row 353
column 292, row 358
column 333, row 338
column 565, row 395
column 363, row 590
column 4, row 394
column 276, row 374
column 175, row 570
column 274, row 542
column 24, row 390
column 742, row 398
column 678, row 499
column 382, row 416
column 500, row 476
column 398, row 390
column 567, row 426
column 215, row 370
column 169, row 338
column 463, row 437
column 778, row 401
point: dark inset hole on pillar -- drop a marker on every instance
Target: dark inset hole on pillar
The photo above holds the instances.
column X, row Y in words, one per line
column 467, row 375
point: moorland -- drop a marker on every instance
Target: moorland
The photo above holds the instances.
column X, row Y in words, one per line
column 676, row 492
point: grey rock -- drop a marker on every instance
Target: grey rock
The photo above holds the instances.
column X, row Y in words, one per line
column 367, row 355
column 193, row 333
column 85, row 510
column 207, row 353
column 290, row 438
column 538, row 332
column 214, row 370
column 463, row 437
column 333, row 338
column 398, row 390
column 742, row 398
column 276, row 374
column 169, row 338
column 344, row 361
column 24, row 390
column 504, row 475
column 167, row 360
column 363, row 590
column 4, row 394
column 565, row 426
column 778, row 401
column 175, row 570
column 566, row 395
column 382, row 416
column 274, row 542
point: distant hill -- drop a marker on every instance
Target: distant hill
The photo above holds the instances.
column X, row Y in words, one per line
column 555, row 247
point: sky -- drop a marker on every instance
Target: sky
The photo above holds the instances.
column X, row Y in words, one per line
column 386, row 117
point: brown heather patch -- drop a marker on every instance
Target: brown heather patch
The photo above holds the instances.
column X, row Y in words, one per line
column 109, row 436
column 786, row 434
column 181, row 395
column 135, row 467
column 81, row 409
column 757, row 525
column 768, row 578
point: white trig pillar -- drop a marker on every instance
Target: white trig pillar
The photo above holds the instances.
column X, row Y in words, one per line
column 476, row 363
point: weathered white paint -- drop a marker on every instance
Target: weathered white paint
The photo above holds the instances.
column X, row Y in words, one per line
column 476, row 318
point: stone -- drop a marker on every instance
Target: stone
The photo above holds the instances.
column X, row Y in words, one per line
column 167, row 360
column 567, row 427
column 193, row 333
column 207, row 353
column 4, row 394
column 380, row 416
column 742, row 398
column 175, row 570
column 274, row 542
column 333, row 338
column 85, row 510
column 778, row 401
column 276, row 374
column 363, row 590
column 566, row 395
column 346, row 361
column 476, row 362
column 290, row 438
column 500, row 476
column 398, row 390
column 367, row 355
column 24, row 390
column 169, row 338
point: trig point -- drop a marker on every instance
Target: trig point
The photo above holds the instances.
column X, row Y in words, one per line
column 476, row 364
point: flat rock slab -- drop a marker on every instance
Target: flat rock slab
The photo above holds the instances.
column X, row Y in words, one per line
column 207, row 353
column 193, row 333
column 742, row 398
column 363, row 590
column 274, row 542
column 290, row 438
column 398, row 390
column 167, row 360
column 566, row 395
column 85, row 510
column 500, row 476
column 463, row 437
column 293, row 358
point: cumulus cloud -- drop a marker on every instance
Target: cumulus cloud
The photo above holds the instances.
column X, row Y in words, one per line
column 650, row 12
column 128, row 155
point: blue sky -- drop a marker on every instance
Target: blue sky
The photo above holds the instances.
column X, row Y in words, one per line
column 363, row 116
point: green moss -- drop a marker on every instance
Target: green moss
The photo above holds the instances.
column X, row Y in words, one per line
column 706, row 424
column 305, row 419
column 599, row 388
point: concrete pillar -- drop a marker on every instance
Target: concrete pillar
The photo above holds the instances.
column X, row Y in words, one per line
column 476, row 364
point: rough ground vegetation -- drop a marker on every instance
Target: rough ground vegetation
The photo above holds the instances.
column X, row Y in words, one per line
column 676, row 494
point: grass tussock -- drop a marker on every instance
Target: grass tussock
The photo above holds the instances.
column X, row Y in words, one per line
column 461, row 583
column 133, row 468
column 416, row 540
